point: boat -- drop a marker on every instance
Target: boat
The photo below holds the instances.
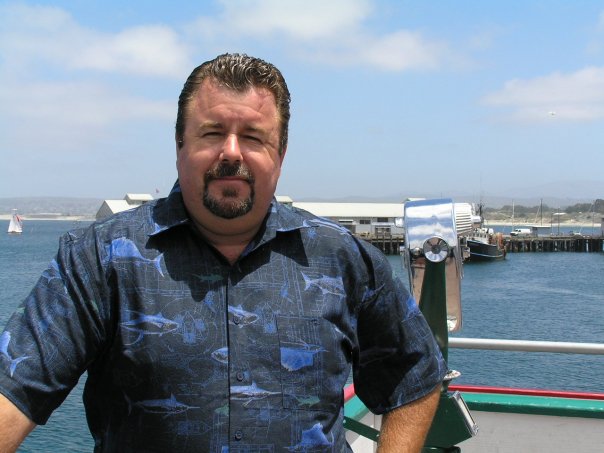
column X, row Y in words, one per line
column 472, row 419
column 483, row 243
column 16, row 224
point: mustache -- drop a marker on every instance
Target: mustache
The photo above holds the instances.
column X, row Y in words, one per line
column 224, row 169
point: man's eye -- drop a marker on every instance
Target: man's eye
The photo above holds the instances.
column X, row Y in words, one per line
column 252, row 138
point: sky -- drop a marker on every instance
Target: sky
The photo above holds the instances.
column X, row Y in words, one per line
column 389, row 98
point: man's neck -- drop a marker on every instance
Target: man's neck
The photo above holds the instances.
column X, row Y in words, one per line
column 231, row 246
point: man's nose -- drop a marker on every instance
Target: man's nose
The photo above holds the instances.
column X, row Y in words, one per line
column 231, row 151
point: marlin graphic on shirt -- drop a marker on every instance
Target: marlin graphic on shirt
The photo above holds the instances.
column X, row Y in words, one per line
column 4, row 341
column 144, row 324
column 165, row 407
column 327, row 285
column 250, row 392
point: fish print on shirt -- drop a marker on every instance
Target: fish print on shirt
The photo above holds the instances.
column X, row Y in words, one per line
column 144, row 324
column 296, row 358
column 221, row 355
column 249, row 393
column 318, row 221
column 12, row 362
column 165, row 407
column 125, row 249
column 241, row 317
column 327, row 285
column 311, row 439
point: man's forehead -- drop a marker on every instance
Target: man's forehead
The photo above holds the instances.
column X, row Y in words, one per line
column 212, row 85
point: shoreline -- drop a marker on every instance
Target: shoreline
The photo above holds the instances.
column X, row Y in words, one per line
column 501, row 223
column 68, row 218
column 567, row 223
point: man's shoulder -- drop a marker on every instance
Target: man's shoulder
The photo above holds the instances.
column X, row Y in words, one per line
column 133, row 223
column 306, row 219
column 335, row 235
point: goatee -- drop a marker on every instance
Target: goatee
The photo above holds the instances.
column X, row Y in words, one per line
column 229, row 206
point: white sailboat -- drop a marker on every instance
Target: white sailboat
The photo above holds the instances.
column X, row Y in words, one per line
column 16, row 225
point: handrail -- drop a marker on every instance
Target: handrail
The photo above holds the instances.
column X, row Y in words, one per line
column 526, row 345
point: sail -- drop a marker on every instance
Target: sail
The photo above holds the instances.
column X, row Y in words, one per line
column 15, row 225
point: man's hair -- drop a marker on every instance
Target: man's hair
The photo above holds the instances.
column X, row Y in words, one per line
column 238, row 72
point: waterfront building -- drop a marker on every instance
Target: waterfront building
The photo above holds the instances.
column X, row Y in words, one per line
column 130, row 201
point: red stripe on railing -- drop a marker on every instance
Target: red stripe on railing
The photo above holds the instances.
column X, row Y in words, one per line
column 349, row 392
column 528, row 392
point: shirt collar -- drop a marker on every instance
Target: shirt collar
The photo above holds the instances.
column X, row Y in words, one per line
column 170, row 212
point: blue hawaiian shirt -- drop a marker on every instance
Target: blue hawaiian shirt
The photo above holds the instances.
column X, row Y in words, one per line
column 185, row 352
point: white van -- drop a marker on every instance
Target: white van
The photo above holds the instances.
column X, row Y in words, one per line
column 521, row 232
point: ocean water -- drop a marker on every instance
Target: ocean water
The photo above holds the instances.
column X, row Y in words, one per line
column 529, row 296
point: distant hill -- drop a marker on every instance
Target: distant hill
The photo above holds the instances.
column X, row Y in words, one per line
column 65, row 206
column 489, row 201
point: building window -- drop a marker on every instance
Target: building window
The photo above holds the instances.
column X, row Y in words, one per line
column 365, row 222
column 382, row 219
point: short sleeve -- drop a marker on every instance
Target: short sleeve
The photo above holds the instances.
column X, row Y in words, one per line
column 399, row 360
column 55, row 333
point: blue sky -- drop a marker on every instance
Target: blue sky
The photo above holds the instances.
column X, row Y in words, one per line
column 390, row 98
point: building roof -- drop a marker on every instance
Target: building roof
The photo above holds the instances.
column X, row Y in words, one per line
column 351, row 210
column 138, row 197
column 118, row 205
column 131, row 200
column 283, row 199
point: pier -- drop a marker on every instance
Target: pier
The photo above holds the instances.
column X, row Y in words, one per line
column 390, row 244
column 554, row 244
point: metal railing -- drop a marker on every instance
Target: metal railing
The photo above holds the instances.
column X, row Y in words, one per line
column 491, row 344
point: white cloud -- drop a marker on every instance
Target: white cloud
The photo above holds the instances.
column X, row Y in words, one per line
column 71, row 115
column 403, row 50
column 54, row 91
column 575, row 96
column 33, row 34
column 299, row 19
column 329, row 32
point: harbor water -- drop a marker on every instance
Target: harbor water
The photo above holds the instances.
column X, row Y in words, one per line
column 529, row 296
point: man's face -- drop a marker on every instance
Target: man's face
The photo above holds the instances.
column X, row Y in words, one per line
column 229, row 163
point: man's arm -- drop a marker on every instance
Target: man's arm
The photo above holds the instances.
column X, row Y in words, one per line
column 14, row 426
column 404, row 429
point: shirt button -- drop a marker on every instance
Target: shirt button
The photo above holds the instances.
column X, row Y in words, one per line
column 238, row 435
column 240, row 376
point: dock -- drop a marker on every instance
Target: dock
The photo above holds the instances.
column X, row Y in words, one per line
column 555, row 244
column 390, row 244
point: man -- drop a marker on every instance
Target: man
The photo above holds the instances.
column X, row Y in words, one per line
column 216, row 319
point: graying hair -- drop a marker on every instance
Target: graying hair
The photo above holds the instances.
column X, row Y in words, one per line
column 238, row 72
